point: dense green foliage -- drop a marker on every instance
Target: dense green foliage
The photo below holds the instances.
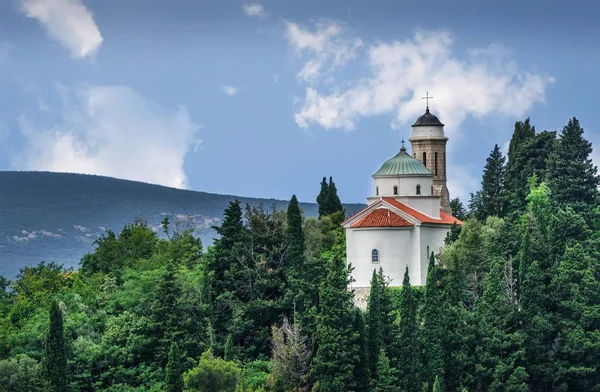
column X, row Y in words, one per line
column 510, row 304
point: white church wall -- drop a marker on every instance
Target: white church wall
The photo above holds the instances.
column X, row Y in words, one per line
column 432, row 239
column 428, row 205
column 407, row 186
column 394, row 246
column 428, row 131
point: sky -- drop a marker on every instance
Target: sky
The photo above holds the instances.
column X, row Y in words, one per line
column 265, row 98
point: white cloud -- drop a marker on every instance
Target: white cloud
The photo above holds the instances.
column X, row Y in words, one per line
column 400, row 72
column 67, row 21
column 112, row 131
column 326, row 48
column 230, row 90
column 253, row 9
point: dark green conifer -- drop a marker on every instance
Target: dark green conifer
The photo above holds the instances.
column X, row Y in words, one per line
column 491, row 200
column 408, row 362
column 174, row 371
column 55, row 351
column 335, row 205
column 432, row 331
column 338, row 350
column 378, row 318
column 294, row 258
column 361, row 369
column 385, row 379
column 572, row 176
column 323, row 198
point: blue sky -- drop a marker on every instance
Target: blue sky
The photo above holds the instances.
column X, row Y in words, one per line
column 265, row 98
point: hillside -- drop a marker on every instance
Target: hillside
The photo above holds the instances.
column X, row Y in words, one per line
column 55, row 217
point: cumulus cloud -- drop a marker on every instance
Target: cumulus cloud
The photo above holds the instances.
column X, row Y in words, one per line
column 486, row 81
column 324, row 49
column 254, row 9
column 230, row 90
column 67, row 21
column 112, row 131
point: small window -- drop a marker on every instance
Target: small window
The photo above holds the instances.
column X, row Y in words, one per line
column 395, row 189
column 418, row 189
column 424, row 158
column 375, row 256
column 432, row 189
column 435, row 163
column 377, row 191
column 428, row 252
column 414, row 154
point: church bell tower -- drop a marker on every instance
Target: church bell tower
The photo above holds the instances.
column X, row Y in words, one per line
column 428, row 144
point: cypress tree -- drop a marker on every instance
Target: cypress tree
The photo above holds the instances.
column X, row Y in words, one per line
column 55, row 351
column 361, row 369
column 338, row 351
column 335, row 205
column 433, row 327
column 437, row 385
column 407, row 341
column 173, row 372
column 516, row 183
column 294, row 257
column 491, row 199
column 572, row 176
column 378, row 319
column 323, row 199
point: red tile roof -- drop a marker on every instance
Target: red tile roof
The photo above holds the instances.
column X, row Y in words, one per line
column 444, row 219
column 382, row 217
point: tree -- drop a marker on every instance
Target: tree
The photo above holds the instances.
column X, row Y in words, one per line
column 378, row 319
column 55, row 351
column 407, row 340
column 213, row 375
column 299, row 288
column 173, row 372
column 491, row 199
column 516, row 185
column 323, row 199
column 362, row 375
column 337, row 348
column 335, row 205
column 572, row 176
column 437, row 385
column 432, row 331
column 458, row 209
column 291, row 356
column 384, row 380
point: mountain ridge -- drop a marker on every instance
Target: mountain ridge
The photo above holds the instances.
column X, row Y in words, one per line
column 56, row 217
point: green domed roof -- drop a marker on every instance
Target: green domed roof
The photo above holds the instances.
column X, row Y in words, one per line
column 403, row 164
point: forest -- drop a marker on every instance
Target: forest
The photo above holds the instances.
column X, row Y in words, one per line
column 512, row 303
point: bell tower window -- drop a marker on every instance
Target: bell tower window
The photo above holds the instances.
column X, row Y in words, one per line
column 395, row 189
column 418, row 189
column 425, row 158
column 435, row 163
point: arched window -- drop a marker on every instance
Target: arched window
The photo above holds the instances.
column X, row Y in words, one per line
column 375, row 256
column 424, row 158
column 428, row 252
column 376, row 191
column 435, row 163
column 395, row 189
column 432, row 189
column 418, row 189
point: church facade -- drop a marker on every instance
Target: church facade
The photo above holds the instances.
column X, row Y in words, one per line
column 409, row 215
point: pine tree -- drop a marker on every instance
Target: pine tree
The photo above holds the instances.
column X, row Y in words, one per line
column 338, row 351
column 378, row 319
column 166, row 312
column 491, row 199
column 362, row 374
column 577, row 288
column 458, row 209
column 385, row 380
column 515, row 181
column 407, row 341
column 174, row 372
column 55, row 351
column 572, row 176
column 432, row 331
column 437, row 385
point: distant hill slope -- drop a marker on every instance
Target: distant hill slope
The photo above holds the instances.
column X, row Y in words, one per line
column 55, row 217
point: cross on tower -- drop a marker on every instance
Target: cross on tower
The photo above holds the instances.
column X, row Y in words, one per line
column 427, row 97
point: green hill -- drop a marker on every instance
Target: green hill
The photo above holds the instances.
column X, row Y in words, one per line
column 55, row 217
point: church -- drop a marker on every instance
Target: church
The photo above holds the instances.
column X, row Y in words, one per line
column 409, row 215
